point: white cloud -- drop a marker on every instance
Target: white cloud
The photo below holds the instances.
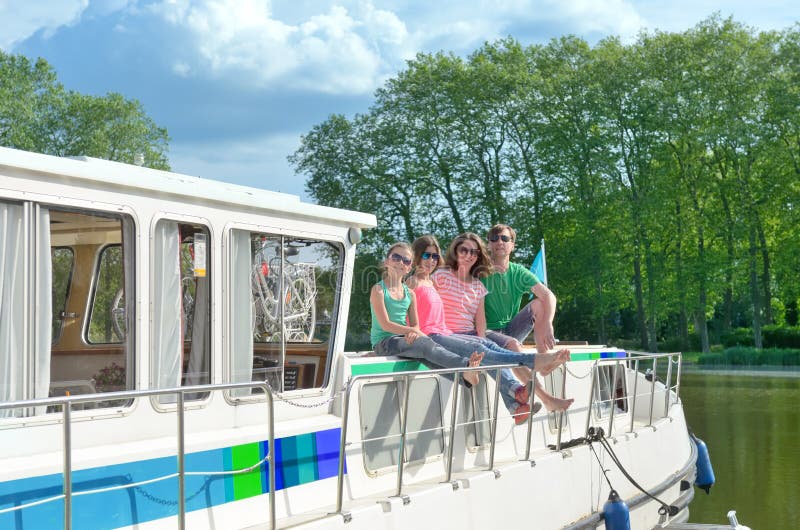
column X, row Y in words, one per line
column 21, row 19
column 340, row 50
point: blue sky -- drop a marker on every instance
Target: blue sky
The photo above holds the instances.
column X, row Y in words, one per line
column 236, row 82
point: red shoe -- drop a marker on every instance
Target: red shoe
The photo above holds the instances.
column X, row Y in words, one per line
column 523, row 393
column 521, row 413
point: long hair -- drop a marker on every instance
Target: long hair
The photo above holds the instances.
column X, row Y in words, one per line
column 420, row 245
column 482, row 266
column 392, row 248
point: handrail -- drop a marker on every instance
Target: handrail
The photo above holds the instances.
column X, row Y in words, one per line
column 67, row 401
column 635, row 357
column 407, row 375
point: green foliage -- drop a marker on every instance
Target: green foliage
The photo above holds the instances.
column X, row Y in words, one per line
column 774, row 337
column 662, row 173
column 746, row 356
column 38, row 114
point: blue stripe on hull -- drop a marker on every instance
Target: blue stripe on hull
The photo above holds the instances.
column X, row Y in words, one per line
column 300, row 459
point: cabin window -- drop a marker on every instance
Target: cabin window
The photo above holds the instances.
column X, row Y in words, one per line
column 54, row 260
column 284, row 293
column 181, row 308
column 106, row 325
column 609, row 390
column 380, row 408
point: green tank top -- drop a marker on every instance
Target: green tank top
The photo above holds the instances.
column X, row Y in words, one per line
column 397, row 311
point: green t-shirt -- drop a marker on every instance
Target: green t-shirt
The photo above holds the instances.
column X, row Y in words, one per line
column 505, row 294
column 395, row 309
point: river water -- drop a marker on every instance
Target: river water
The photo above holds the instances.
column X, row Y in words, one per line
column 751, row 424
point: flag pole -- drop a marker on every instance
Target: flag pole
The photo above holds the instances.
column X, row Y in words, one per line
column 544, row 265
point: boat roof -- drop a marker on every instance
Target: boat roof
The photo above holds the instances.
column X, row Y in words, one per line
column 155, row 182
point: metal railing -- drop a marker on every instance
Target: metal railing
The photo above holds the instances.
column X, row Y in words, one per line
column 407, row 377
column 633, row 361
column 66, row 403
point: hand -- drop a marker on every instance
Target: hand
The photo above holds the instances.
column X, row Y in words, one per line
column 413, row 335
column 544, row 336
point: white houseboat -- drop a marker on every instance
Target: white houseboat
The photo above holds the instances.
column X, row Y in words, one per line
column 172, row 356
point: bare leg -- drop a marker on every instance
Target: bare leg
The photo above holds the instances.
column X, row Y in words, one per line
column 474, row 360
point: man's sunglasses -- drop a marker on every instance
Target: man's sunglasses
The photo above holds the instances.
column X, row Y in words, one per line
column 431, row 255
column 471, row 251
column 504, row 238
column 398, row 257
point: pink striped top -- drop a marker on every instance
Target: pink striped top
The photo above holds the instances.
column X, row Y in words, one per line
column 460, row 300
column 430, row 311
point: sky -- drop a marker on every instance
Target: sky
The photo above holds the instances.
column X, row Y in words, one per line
column 237, row 82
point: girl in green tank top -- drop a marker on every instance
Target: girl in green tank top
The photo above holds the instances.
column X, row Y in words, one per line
column 395, row 329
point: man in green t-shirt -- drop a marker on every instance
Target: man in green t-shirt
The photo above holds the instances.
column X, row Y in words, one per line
column 507, row 324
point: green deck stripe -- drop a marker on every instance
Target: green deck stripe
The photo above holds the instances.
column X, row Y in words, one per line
column 386, row 367
column 246, row 484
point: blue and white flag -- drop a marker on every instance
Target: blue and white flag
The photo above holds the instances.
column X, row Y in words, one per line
column 539, row 267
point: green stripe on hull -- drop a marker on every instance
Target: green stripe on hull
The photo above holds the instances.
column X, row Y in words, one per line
column 387, row 367
column 246, row 485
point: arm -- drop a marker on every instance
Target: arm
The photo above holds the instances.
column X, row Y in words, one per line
column 480, row 319
column 543, row 327
column 376, row 301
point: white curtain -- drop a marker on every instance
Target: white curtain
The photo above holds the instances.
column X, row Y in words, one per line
column 43, row 310
column 24, row 328
column 241, row 310
column 167, row 341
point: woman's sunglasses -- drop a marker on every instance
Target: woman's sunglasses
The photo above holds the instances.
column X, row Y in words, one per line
column 471, row 251
column 504, row 238
column 431, row 255
column 398, row 257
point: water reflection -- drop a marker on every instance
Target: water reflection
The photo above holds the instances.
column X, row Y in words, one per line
column 751, row 424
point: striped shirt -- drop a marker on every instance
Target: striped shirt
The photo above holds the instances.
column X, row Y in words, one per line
column 460, row 300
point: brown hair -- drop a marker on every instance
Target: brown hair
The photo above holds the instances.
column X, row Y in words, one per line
column 498, row 228
column 482, row 266
column 420, row 244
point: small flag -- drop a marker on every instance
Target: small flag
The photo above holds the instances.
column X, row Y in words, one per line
column 539, row 266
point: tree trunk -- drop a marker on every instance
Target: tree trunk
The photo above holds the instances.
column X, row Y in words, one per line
column 766, row 275
column 754, row 291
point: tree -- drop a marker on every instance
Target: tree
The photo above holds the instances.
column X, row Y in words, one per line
column 38, row 114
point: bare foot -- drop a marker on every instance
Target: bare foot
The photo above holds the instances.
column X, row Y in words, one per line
column 554, row 404
column 474, row 360
column 547, row 362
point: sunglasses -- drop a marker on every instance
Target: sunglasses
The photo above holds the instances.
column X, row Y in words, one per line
column 398, row 257
column 471, row 251
column 431, row 255
column 504, row 238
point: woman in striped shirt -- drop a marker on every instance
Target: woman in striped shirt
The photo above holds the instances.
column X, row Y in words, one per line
column 462, row 295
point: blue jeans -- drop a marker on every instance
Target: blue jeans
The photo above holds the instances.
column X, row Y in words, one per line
column 465, row 345
column 518, row 328
column 422, row 348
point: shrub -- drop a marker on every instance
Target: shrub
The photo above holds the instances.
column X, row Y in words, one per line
column 746, row 356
